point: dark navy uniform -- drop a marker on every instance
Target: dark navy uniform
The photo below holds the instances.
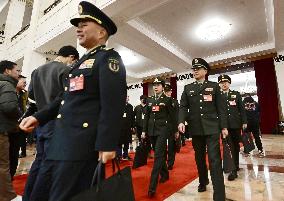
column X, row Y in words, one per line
column 88, row 115
column 236, row 118
column 203, row 107
column 159, row 116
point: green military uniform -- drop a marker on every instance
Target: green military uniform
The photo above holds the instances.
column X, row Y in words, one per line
column 159, row 115
column 236, row 118
column 206, row 117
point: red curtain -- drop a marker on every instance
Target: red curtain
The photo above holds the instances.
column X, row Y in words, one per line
column 267, row 94
column 173, row 82
column 145, row 88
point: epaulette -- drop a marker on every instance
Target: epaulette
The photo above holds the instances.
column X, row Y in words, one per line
column 100, row 49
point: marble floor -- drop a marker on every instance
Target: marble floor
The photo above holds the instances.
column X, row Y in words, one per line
column 260, row 179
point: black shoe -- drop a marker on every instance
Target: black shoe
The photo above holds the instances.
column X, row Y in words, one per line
column 201, row 188
column 232, row 176
column 151, row 193
column 170, row 167
column 164, row 179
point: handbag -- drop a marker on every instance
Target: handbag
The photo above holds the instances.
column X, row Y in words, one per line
column 228, row 160
column 118, row 187
column 247, row 142
column 141, row 154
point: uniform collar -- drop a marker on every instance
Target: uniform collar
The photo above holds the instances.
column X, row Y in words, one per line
column 94, row 49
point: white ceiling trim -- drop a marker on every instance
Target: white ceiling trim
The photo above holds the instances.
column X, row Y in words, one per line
column 241, row 52
column 154, row 35
column 148, row 73
column 269, row 12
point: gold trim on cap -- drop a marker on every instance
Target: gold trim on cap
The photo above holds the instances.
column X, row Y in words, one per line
column 91, row 17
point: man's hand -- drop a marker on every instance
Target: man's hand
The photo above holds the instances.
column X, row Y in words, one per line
column 28, row 124
column 105, row 156
column 143, row 135
column 245, row 126
column 181, row 128
column 225, row 132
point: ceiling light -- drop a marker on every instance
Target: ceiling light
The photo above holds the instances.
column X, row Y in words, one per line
column 128, row 57
column 213, row 29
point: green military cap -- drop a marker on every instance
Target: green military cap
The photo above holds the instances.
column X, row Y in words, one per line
column 200, row 63
column 159, row 80
column 89, row 11
column 224, row 78
column 167, row 87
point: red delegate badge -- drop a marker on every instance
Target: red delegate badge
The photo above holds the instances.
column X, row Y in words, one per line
column 76, row 83
column 155, row 108
column 207, row 97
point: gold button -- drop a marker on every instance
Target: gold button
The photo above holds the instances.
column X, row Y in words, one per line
column 201, row 114
column 70, row 75
column 62, row 102
column 81, row 75
column 200, row 100
column 200, row 107
column 85, row 125
column 58, row 116
column 65, row 88
column 200, row 94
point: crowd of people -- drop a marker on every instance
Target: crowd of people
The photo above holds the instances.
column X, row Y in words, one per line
column 81, row 114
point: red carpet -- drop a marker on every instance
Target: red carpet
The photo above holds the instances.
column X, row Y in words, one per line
column 183, row 173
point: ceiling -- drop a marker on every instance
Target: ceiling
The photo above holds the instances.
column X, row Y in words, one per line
column 156, row 37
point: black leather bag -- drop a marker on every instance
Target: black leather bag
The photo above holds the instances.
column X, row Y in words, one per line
column 141, row 154
column 115, row 188
column 247, row 142
column 228, row 160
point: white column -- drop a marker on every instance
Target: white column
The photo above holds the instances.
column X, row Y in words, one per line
column 279, row 69
column 14, row 18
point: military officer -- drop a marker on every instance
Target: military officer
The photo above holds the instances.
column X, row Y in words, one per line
column 236, row 119
column 206, row 119
column 159, row 117
column 87, row 117
column 172, row 139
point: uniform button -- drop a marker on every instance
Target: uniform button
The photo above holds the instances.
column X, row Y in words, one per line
column 70, row 75
column 81, row 75
column 228, row 109
column 200, row 101
column 58, row 116
column 201, row 114
column 200, row 107
column 85, row 125
column 200, row 94
column 65, row 88
column 229, row 114
column 62, row 102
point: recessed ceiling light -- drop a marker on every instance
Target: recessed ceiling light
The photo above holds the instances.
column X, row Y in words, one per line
column 128, row 57
column 213, row 29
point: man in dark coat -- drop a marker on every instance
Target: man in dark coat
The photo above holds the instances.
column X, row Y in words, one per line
column 88, row 114
column 126, row 131
column 236, row 119
column 159, row 117
column 9, row 115
column 139, row 113
column 172, row 138
column 206, row 118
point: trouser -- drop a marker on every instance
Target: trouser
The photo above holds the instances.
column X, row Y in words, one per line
column 215, row 164
column 171, row 150
column 7, row 192
column 44, row 134
column 61, row 180
column 13, row 152
column 234, row 139
column 256, row 134
column 23, row 143
column 160, row 166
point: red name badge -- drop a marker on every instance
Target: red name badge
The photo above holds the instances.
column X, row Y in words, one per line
column 233, row 102
column 76, row 83
column 155, row 108
column 207, row 97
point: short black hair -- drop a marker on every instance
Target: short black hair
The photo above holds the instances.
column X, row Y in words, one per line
column 5, row 64
column 68, row 50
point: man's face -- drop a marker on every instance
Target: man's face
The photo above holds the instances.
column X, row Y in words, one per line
column 225, row 86
column 168, row 93
column 199, row 73
column 89, row 33
column 14, row 72
column 158, row 88
column 22, row 84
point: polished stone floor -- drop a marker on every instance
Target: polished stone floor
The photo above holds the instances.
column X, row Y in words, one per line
column 260, row 179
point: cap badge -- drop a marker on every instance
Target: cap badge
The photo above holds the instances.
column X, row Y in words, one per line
column 80, row 9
